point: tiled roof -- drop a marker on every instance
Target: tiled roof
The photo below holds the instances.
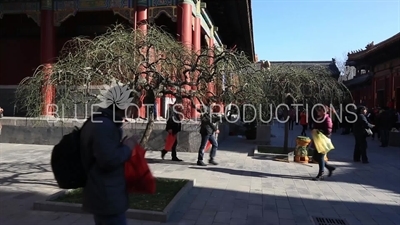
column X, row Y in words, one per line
column 331, row 65
column 371, row 48
column 358, row 80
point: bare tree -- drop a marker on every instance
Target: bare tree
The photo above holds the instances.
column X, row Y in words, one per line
column 341, row 63
column 288, row 84
column 146, row 62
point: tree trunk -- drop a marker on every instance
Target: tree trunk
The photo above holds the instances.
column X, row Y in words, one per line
column 150, row 118
column 147, row 131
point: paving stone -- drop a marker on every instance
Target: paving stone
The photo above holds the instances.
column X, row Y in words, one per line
column 240, row 189
column 205, row 220
column 287, row 222
column 187, row 222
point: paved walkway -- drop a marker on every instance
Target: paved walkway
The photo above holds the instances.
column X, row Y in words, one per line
column 240, row 191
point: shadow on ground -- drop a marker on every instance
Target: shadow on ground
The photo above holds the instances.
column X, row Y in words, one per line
column 208, row 206
column 168, row 161
column 26, row 173
column 217, row 206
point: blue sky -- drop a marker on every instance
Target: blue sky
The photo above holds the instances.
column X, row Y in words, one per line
column 320, row 29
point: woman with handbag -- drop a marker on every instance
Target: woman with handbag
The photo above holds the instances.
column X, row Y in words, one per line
column 361, row 130
column 322, row 124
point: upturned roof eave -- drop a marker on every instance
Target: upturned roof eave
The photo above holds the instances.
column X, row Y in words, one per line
column 380, row 45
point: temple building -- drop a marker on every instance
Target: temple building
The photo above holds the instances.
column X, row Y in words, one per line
column 376, row 82
column 329, row 65
column 32, row 32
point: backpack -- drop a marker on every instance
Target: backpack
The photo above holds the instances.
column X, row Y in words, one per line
column 66, row 159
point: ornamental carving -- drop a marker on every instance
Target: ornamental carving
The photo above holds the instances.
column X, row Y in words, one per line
column 142, row 2
column 126, row 13
column 67, row 5
column 35, row 16
column 61, row 16
column 89, row 5
column 121, row 3
column 46, row 4
column 155, row 12
column 13, row 7
column 157, row 3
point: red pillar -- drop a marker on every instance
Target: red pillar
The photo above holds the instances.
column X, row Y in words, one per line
column 197, row 48
column 141, row 24
column 185, row 24
column 185, row 32
column 141, row 18
column 47, row 57
column 211, row 85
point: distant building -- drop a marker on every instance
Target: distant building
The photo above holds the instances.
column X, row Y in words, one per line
column 330, row 65
column 32, row 32
column 375, row 79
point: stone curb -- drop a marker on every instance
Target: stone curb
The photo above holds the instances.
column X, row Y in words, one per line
column 137, row 214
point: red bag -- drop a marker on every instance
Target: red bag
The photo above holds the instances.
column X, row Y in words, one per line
column 138, row 176
column 169, row 142
column 208, row 146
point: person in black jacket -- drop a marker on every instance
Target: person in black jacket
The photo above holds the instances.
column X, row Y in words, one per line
column 208, row 129
column 104, row 156
column 360, row 135
column 174, row 126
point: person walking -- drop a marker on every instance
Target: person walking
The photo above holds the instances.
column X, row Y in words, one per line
column 303, row 122
column 104, row 156
column 360, row 135
column 208, row 129
column 174, row 126
column 323, row 124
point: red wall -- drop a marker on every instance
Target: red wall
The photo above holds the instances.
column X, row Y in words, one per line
column 363, row 95
column 19, row 58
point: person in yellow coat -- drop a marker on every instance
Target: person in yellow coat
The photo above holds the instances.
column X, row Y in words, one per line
column 323, row 124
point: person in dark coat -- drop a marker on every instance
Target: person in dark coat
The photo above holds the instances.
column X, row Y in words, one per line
column 323, row 124
column 360, row 135
column 104, row 156
column 150, row 101
column 174, row 126
column 386, row 122
column 208, row 129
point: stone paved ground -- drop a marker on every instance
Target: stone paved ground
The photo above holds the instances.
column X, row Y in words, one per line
column 240, row 191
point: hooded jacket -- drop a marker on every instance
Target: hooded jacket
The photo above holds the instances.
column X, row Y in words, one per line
column 104, row 157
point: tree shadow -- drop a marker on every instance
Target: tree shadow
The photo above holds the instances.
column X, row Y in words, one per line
column 258, row 206
column 168, row 161
column 346, row 177
column 249, row 173
column 17, row 208
column 26, row 173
